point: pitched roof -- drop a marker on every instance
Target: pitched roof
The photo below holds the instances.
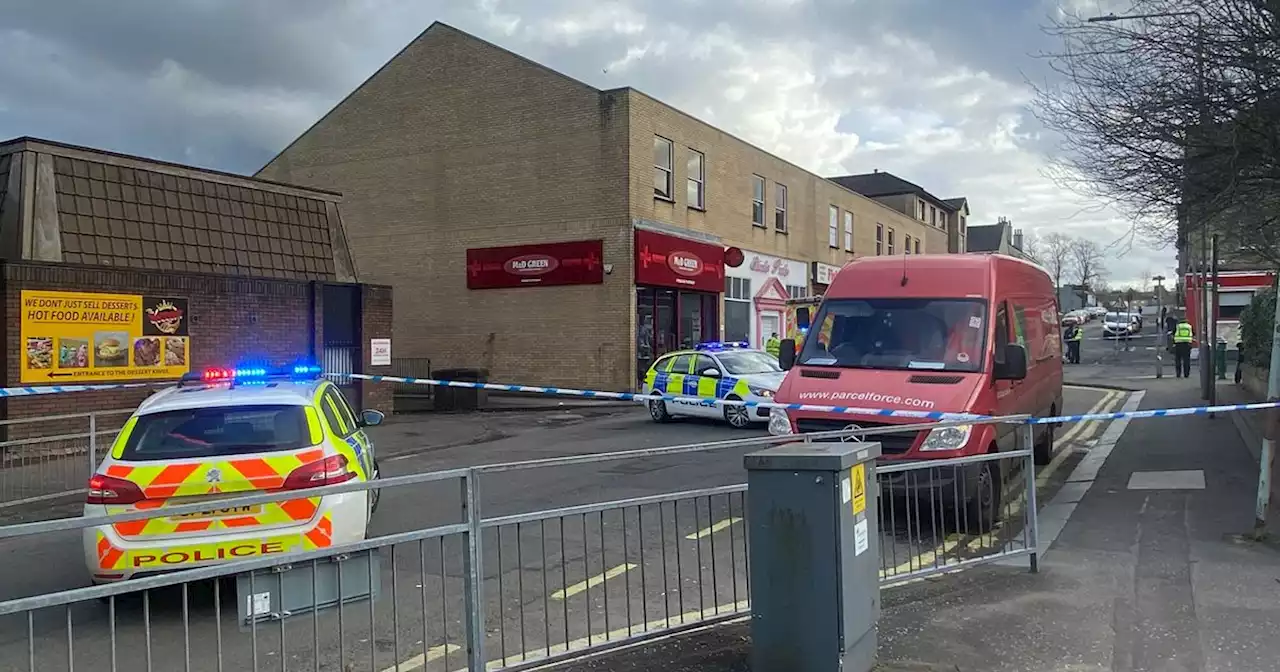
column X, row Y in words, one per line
column 880, row 183
column 986, row 238
column 956, row 203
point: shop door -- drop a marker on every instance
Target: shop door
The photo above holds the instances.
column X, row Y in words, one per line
column 340, row 351
column 770, row 323
column 697, row 318
column 655, row 326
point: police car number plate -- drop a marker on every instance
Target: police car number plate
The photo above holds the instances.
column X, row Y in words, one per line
column 224, row 513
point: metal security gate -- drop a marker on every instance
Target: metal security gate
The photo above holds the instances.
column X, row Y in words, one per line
column 340, row 349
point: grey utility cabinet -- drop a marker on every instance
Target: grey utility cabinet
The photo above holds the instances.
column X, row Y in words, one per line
column 814, row 556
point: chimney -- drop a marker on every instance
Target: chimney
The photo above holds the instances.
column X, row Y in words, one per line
column 1017, row 238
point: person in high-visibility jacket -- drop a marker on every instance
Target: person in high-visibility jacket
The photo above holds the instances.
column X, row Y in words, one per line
column 1075, row 337
column 773, row 346
column 1182, row 337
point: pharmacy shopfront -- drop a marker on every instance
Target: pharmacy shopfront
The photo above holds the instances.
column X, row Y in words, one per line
column 756, row 293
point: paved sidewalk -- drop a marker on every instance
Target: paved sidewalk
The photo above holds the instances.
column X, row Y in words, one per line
column 1138, row 580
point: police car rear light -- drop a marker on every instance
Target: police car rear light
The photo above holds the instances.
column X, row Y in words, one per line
column 329, row 471
column 105, row 489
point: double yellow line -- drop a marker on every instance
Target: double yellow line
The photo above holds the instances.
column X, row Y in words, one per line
column 952, row 543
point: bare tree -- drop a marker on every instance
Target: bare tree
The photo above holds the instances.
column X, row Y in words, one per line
column 1055, row 256
column 1171, row 118
column 1145, row 279
column 1087, row 262
column 1031, row 247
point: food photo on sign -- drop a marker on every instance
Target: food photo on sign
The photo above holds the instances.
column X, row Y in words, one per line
column 90, row 337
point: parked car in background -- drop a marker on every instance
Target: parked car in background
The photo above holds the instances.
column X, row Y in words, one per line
column 1118, row 325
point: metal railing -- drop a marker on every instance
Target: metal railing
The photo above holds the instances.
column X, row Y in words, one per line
column 502, row 592
column 53, row 456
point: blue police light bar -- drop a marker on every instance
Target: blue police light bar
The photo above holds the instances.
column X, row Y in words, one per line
column 712, row 346
column 248, row 374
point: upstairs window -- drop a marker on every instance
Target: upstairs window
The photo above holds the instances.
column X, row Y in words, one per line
column 663, row 161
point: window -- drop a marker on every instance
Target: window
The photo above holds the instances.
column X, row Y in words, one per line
column 920, row 210
column 737, row 309
column 917, row 246
column 797, row 291
column 702, row 363
column 780, row 207
column 757, row 200
column 896, row 334
column 933, row 215
column 747, row 362
column 879, row 239
column 662, row 163
column 217, row 431
column 833, row 227
column 906, row 244
column 1002, row 333
column 683, row 364
column 890, row 242
column 338, row 413
column 697, row 180
column 848, row 231
column 961, row 223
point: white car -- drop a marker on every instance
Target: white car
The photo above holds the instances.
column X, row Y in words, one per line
column 1118, row 325
column 714, row 371
column 223, row 434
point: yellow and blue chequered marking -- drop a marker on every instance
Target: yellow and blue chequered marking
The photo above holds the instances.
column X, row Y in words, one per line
column 707, row 389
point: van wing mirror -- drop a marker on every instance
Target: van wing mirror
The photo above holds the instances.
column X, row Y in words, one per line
column 802, row 317
column 1014, row 366
column 787, row 353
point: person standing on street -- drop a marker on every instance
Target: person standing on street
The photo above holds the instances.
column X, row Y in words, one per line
column 1073, row 336
column 773, row 346
column 1182, row 337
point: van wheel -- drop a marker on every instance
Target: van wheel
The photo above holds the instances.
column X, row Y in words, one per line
column 658, row 411
column 738, row 416
column 1043, row 449
column 982, row 509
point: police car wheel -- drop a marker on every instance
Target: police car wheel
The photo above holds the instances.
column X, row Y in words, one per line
column 737, row 416
column 375, row 496
column 658, row 411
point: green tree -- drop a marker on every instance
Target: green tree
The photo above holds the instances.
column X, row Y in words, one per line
column 1256, row 328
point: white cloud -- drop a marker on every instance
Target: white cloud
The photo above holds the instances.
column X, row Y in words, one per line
column 834, row 86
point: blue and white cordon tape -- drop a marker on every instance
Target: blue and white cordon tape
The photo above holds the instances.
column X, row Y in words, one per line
column 708, row 401
column 850, row 410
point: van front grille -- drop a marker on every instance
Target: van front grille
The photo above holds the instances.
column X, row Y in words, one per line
column 890, row 444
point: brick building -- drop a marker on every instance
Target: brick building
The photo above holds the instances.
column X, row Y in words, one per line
column 558, row 234
column 189, row 269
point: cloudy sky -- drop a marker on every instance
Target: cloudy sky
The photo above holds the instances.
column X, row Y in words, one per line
column 934, row 91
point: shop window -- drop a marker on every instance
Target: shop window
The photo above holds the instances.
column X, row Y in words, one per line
column 737, row 309
column 663, row 161
column 696, row 195
column 757, row 200
column 780, row 208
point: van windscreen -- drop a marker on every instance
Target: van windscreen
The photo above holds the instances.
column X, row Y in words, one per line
column 927, row 334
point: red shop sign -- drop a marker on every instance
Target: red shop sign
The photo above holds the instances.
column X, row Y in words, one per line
column 668, row 261
column 573, row 263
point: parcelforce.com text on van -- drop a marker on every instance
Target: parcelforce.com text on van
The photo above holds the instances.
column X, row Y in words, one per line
column 873, row 397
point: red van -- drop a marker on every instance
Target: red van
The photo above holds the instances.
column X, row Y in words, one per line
column 963, row 333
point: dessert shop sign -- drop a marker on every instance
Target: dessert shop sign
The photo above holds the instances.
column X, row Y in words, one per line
column 75, row 337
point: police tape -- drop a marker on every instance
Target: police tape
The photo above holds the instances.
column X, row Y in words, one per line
column 848, row 410
column 62, row 389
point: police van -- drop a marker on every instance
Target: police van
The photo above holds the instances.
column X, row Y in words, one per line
column 226, row 433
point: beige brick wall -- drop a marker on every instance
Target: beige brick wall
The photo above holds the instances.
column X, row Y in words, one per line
column 730, row 163
column 458, row 144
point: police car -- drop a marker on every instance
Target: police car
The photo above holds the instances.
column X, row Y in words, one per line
column 714, row 371
column 227, row 433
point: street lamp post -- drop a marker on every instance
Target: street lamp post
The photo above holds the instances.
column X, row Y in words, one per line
column 1207, row 387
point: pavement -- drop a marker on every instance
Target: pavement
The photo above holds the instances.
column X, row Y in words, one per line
column 575, row 579
column 1145, row 566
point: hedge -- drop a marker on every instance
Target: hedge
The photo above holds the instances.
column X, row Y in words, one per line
column 1256, row 328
